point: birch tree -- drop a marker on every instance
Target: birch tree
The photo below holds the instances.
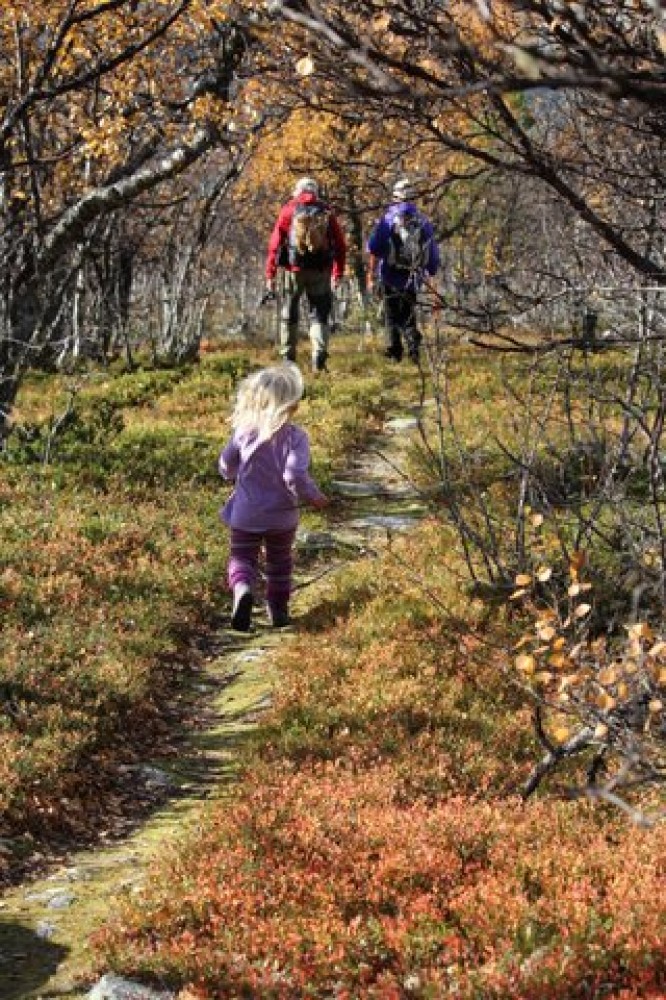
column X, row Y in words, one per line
column 103, row 102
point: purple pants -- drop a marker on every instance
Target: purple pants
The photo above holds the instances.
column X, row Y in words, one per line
column 243, row 565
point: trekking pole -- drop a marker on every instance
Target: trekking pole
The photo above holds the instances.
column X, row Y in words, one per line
column 279, row 299
column 266, row 297
column 333, row 315
column 366, row 298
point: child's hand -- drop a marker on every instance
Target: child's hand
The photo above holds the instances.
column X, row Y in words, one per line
column 320, row 502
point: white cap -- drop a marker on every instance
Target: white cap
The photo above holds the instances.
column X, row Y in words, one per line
column 306, row 184
column 402, row 190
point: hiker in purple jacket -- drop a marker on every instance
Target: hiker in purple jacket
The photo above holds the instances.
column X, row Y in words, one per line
column 268, row 459
column 404, row 245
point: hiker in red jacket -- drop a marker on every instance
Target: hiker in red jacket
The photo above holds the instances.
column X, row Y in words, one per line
column 309, row 244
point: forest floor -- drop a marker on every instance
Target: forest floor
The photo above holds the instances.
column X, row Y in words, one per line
column 45, row 922
column 331, row 810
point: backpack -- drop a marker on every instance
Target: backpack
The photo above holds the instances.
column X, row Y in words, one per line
column 309, row 243
column 409, row 246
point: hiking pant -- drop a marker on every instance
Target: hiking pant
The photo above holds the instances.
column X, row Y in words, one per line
column 316, row 285
column 243, row 567
column 400, row 322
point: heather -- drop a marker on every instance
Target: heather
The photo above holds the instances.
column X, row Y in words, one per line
column 111, row 561
column 378, row 844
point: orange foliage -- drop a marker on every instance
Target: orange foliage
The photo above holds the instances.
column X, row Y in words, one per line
column 325, row 881
column 376, row 850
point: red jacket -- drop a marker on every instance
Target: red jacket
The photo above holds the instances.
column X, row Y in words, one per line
column 280, row 237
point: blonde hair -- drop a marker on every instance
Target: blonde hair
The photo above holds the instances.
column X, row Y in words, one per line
column 266, row 399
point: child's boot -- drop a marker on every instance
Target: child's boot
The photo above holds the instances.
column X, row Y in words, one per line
column 241, row 615
column 278, row 615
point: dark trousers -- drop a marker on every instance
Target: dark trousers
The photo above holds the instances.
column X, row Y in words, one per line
column 400, row 320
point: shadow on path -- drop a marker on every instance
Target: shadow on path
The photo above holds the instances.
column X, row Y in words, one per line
column 27, row 961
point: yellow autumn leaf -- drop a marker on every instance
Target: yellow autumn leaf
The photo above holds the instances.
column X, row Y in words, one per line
column 656, row 705
column 576, row 563
column 640, row 630
column 557, row 661
column 523, row 580
column 605, row 702
column 545, row 632
column 658, row 650
column 537, row 520
column 382, row 22
column 600, row 731
column 635, row 648
column 568, row 681
column 608, row 675
column 525, row 663
column 305, row 66
column 582, row 610
column 561, row 734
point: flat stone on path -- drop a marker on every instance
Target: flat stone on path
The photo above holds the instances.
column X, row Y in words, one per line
column 399, row 425
column 386, row 522
column 355, row 489
column 61, row 901
column 114, row 988
column 316, row 539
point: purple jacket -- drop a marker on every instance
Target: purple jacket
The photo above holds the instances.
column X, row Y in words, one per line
column 270, row 480
column 379, row 245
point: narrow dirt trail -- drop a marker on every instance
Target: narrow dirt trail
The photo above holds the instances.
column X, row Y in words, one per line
column 44, row 924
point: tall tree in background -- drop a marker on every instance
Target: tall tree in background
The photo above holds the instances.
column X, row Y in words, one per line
column 103, row 102
column 515, row 86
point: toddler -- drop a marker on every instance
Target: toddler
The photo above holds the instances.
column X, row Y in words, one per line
column 268, row 459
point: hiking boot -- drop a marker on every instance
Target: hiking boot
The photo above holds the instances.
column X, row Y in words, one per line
column 241, row 615
column 279, row 617
column 393, row 354
column 319, row 362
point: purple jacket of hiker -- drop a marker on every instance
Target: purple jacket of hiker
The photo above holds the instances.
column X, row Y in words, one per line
column 379, row 245
column 271, row 479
